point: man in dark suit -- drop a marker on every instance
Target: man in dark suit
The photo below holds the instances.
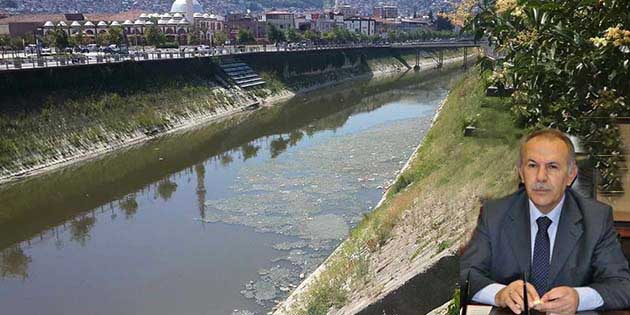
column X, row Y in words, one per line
column 566, row 243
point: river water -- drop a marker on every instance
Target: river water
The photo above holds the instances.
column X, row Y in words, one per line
column 221, row 219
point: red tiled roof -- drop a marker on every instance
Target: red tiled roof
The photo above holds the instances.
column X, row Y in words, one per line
column 129, row 15
column 23, row 18
column 278, row 12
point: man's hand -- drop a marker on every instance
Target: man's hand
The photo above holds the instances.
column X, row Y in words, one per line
column 512, row 296
column 560, row 300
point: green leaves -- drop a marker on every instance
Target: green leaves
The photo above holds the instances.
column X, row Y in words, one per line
column 571, row 67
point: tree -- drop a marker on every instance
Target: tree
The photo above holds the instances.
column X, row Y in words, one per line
column 443, row 23
column 463, row 13
column 57, row 38
column 101, row 39
column 220, row 38
column 274, row 34
column 244, row 36
column 115, row 36
column 153, row 36
column 343, row 35
column 28, row 38
column 16, row 43
column 392, row 36
column 312, row 36
column 193, row 37
column 293, row 36
column 568, row 63
column 5, row 42
column 77, row 40
column 329, row 37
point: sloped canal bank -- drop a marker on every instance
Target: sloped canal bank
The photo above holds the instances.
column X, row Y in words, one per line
column 218, row 220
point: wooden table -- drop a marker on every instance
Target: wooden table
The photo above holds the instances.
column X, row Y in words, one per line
column 507, row 311
column 622, row 223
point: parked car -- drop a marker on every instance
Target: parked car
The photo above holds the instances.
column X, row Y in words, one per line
column 46, row 51
column 92, row 47
column 30, row 49
column 81, row 49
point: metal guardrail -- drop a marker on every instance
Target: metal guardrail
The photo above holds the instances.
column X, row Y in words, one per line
column 65, row 60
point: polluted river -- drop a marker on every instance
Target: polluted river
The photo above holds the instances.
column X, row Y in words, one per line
column 226, row 218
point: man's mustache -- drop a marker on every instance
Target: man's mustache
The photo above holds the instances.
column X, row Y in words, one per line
column 541, row 186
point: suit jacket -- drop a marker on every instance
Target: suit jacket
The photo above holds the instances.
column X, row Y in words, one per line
column 586, row 250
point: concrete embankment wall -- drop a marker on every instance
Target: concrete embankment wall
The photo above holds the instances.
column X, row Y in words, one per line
column 74, row 81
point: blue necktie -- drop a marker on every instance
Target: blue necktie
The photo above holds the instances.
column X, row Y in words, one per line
column 540, row 263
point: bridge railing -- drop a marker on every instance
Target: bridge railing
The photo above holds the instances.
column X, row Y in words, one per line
column 64, row 60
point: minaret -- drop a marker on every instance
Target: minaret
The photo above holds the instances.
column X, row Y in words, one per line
column 189, row 12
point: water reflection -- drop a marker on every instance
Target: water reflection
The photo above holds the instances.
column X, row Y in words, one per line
column 166, row 188
column 80, row 228
column 200, row 170
column 14, row 262
column 249, row 151
column 129, row 205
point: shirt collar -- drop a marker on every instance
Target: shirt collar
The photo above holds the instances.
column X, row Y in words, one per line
column 554, row 214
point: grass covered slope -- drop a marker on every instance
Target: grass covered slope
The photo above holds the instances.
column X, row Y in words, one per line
column 429, row 211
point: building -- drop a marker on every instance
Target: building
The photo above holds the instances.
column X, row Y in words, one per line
column 27, row 24
column 237, row 21
column 179, row 25
column 329, row 20
column 360, row 25
column 283, row 20
column 181, row 6
column 385, row 11
column 347, row 10
column 414, row 25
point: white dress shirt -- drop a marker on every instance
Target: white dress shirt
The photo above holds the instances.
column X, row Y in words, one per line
column 589, row 299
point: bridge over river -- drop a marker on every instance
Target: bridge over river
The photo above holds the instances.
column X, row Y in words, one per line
column 21, row 62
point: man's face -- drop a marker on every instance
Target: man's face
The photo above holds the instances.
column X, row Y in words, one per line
column 545, row 171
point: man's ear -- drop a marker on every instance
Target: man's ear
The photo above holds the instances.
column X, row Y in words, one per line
column 520, row 174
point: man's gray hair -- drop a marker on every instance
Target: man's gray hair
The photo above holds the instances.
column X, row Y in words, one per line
column 549, row 133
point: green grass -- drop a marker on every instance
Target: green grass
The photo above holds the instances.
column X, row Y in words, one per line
column 30, row 136
column 446, row 163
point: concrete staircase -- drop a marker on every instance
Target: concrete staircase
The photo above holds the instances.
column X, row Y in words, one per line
column 241, row 74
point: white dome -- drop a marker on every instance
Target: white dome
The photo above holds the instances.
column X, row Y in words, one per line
column 143, row 15
column 166, row 16
column 62, row 24
column 162, row 22
column 180, row 6
column 88, row 23
column 115, row 23
column 75, row 24
column 172, row 21
column 127, row 22
column 102, row 23
column 49, row 24
column 138, row 22
column 182, row 22
column 177, row 15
